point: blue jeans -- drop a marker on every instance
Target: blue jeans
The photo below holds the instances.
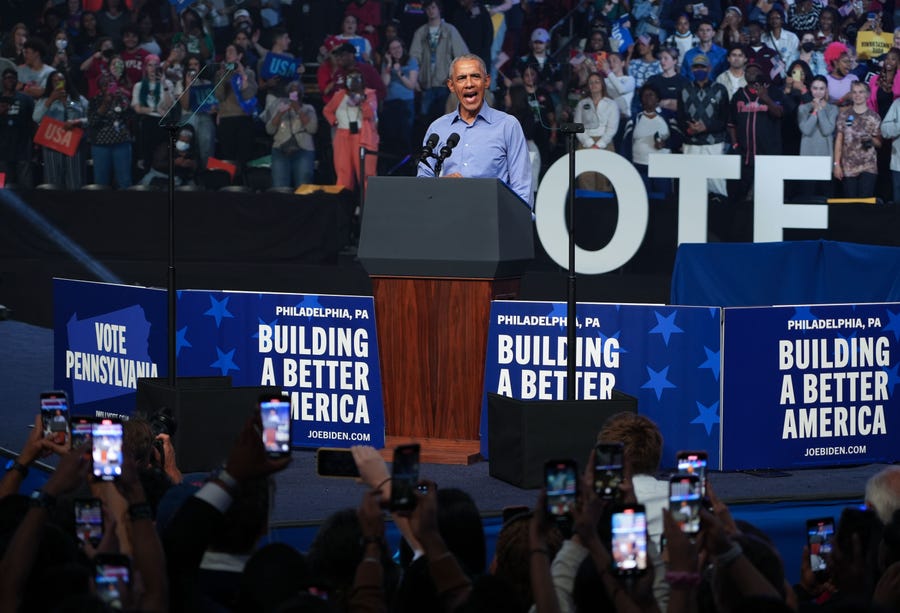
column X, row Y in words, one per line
column 292, row 170
column 112, row 161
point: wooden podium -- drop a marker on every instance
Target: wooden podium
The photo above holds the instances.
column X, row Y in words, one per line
column 438, row 251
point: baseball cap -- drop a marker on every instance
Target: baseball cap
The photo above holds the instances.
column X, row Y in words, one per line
column 700, row 60
column 241, row 13
column 540, row 34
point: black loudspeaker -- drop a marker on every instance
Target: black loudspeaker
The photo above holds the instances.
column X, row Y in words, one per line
column 209, row 414
column 523, row 434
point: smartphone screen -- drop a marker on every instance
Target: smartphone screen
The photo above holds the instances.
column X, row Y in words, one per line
column 561, row 482
column 684, row 502
column 404, row 478
column 693, row 463
column 609, row 461
column 106, row 449
column 112, row 578
column 89, row 520
column 335, row 463
column 276, row 421
column 55, row 417
column 629, row 539
column 820, row 539
column 81, row 431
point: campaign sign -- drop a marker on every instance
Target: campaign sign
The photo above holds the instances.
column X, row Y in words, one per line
column 810, row 386
column 278, row 65
column 665, row 356
column 322, row 350
column 54, row 135
column 105, row 338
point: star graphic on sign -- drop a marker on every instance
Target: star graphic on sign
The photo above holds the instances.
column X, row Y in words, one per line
column 561, row 310
column 181, row 340
column 658, row 381
column 666, row 326
column 225, row 361
column 605, row 339
column 712, row 362
column 219, row 310
column 708, row 416
column 309, row 301
column 263, row 323
column 894, row 323
column 893, row 377
column 803, row 313
column 713, row 311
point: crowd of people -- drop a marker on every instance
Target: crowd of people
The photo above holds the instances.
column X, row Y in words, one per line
column 191, row 542
column 302, row 87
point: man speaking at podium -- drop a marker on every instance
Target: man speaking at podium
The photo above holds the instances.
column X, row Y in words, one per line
column 477, row 141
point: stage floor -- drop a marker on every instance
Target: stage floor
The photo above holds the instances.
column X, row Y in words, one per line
column 26, row 370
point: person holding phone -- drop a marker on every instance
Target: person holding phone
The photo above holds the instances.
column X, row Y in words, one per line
column 291, row 123
column 110, row 135
column 151, row 98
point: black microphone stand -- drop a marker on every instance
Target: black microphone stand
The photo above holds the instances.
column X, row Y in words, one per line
column 173, row 129
column 570, row 130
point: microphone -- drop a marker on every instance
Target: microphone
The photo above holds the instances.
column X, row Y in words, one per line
column 447, row 149
column 428, row 148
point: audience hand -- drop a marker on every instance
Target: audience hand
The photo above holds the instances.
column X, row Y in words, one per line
column 248, row 459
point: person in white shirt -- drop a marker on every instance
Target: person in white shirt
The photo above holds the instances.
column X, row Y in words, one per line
column 733, row 78
column 600, row 117
column 619, row 85
column 782, row 41
column 648, row 133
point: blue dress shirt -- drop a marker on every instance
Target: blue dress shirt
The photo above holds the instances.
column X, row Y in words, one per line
column 493, row 146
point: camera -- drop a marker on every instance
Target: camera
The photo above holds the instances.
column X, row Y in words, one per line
column 162, row 422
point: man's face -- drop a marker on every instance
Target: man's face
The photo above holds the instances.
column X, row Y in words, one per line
column 754, row 32
column 705, row 33
column 432, row 11
column 469, row 81
column 10, row 80
column 682, row 25
column 736, row 58
column 130, row 40
column 538, row 46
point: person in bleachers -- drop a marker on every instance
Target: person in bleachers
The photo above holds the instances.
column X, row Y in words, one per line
column 194, row 36
column 62, row 50
column 109, row 132
column 97, row 64
column 34, row 72
column 840, row 76
column 472, row 19
column 817, row 120
column 682, row 38
column 88, row 36
column 811, row 55
column 400, row 74
column 112, row 17
column 856, row 145
column 730, row 32
column 644, row 61
column 151, row 99
column 759, row 53
column 16, row 131
column 782, row 41
column 645, row 134
column 669, row 82
column 132, row 54
column 714, row 54
column 368, row 19
column 803, row 16
column 540, row 99
column 548, row 68
column 733, row 78
column 434, row 45
column 186, row 160
column 292, row 124
column 14, row 45
column 237, row 108
column 600, row 117
column 797, row 81
column 62, row 102
column 829, row 30
column 146, row 37
column 349, row 34
column 621, row 87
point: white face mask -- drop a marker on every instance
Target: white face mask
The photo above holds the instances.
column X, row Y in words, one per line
column 182, row 146
column 61, row 44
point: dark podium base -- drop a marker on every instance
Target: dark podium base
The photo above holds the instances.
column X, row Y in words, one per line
column 209, row 413
column 523, row 434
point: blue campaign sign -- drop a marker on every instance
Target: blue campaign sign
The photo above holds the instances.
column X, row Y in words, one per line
column 105, row 338
column 278, row 65
column 665, row 356
column 322, row 350
column 810, row 386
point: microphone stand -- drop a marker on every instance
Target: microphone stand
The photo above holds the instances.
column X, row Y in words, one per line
column 171, row 286
column 570, row 130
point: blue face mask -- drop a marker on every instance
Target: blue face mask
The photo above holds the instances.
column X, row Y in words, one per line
column 700, row 74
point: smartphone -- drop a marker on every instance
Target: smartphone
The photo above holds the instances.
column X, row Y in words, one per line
column 335, row 463
column 819, row 539
column 276, row 421
column 112, row 578
column 89, row 520
column 81, row 430
column 609, row 463
column 55, row 416
column 629, row 540
column 693, row 463
column 684, row 502
column 106, row 449
column 404, row 478
column 561, row 482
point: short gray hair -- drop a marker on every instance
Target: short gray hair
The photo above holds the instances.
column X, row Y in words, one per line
column 467, row 56
column 883, row 493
